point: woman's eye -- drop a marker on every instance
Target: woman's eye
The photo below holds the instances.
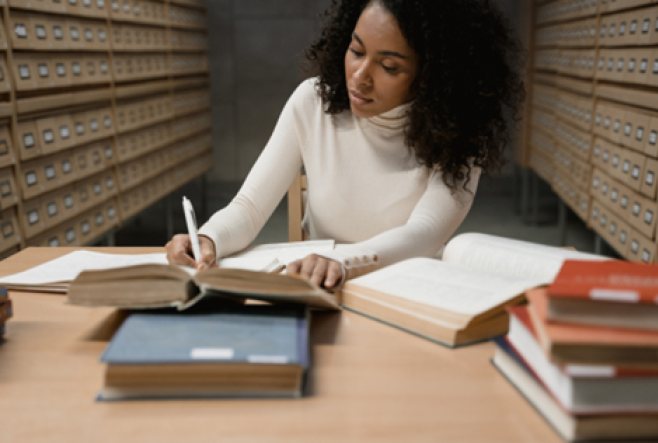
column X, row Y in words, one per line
column 389, row 69
column 355, row 52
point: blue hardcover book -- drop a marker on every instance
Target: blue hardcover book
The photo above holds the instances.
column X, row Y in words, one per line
column 209, row 352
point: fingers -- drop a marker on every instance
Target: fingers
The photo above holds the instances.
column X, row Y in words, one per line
column 334, row 274
column 208, row 254
column 308, row 264
column 319, row 270
column 179, row 251
column 294, row 267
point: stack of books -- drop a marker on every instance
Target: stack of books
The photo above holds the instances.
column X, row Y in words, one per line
column 5, row 311
column 584, row 351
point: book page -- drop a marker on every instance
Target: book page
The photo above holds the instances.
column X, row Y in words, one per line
column 263, row 264
column 510, row 257
column 447, row 286
column 69, row 266
column 255, row 256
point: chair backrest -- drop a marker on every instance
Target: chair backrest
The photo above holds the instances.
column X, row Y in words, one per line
column 296, row 205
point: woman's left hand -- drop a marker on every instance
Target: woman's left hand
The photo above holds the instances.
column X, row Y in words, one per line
column 320, row 271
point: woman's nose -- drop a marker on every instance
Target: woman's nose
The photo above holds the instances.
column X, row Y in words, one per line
column 362, row 73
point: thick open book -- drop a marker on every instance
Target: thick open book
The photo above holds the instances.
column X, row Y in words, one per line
column 55, row 275
column 462, row 298
column 158, row 286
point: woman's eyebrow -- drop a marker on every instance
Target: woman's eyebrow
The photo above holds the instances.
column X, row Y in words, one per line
column 389, row 53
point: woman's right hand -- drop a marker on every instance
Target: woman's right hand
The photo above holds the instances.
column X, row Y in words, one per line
column 179, row 252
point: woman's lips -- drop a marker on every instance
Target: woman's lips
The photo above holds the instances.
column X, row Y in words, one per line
column 358, row 99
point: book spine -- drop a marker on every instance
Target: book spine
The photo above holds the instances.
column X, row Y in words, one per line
column 6, row 310
column 627, row 356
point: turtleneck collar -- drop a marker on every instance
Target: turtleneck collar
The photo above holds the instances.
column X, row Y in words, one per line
column 393, row 119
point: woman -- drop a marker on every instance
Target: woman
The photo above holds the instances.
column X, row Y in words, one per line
column 406, row 106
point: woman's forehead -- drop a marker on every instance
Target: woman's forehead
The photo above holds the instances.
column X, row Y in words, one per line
column 377, row 27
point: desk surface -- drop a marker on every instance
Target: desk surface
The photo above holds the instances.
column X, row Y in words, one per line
column 369, row 382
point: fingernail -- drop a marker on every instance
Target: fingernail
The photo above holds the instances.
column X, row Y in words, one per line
column 202, row 266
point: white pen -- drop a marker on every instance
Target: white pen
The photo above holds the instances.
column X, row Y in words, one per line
column 191, row 228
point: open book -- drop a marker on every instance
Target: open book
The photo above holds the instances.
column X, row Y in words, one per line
column 55, row 275
column 462, row 298
column 158, row 286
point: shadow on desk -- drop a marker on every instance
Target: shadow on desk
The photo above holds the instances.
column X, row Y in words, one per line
column 324, row 327
column 105, row 325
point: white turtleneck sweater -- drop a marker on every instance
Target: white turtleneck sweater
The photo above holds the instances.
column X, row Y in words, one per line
column 365, row 188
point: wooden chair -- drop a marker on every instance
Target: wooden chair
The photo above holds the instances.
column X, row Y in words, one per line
column 296, row 206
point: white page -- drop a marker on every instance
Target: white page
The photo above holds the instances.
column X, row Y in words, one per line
column 445, row 285
column 284, row 252
column 511, row 257
column 69, row 266
column 263, row 264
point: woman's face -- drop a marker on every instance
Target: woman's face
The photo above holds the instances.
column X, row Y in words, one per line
column 380, row 67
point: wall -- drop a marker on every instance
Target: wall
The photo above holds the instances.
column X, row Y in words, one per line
column 256, row 47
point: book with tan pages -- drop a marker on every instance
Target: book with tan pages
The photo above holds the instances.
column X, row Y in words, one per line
column 158, row 286
column 460, row 299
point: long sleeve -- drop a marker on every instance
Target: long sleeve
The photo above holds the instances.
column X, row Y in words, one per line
column 433, row 220
column 234, row 227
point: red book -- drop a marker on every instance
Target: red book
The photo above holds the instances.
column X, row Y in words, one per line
column 571, row 343
column 605, row 293
column 526, row 333
column 613, row 280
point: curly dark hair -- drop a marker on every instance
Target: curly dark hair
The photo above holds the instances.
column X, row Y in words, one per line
column 468, row 85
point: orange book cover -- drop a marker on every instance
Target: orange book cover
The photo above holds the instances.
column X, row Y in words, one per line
column 612, row 280
column 566, row 333
column 522, row 314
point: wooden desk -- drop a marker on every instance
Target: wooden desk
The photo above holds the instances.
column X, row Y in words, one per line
column 369, row 382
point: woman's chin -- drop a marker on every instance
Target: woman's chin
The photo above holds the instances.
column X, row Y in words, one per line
column 360, row 112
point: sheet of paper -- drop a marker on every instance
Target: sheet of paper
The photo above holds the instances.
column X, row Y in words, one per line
column 445, row 285
column 69, row 266
column 284, row 252
column 511, row 257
